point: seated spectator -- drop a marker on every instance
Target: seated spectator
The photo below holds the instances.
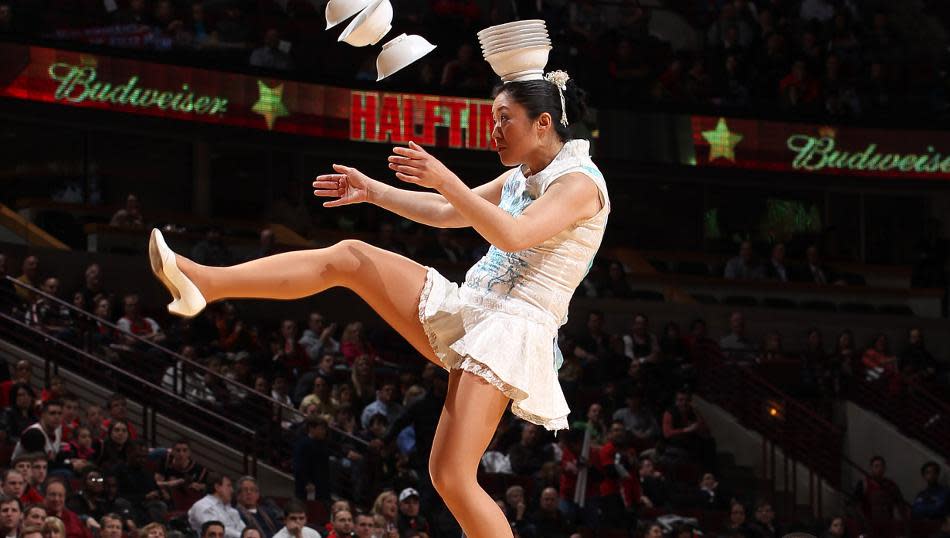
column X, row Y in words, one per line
column 386, row 404
column 118, row 409
column 115, row 446
column 49, row 315
column 684, row 427
column 386, row 511
column 212, row 529
column 516, row 510
column 775, row 268
column 771, row 350
column 528, row 454
column 877, row 358
column 13, row 483
column 410, row 518
column 196, row 28
column 881, row 499
column 699, row 346
column 595, row 423
column 216, row 506
column 593, row 346
column 8, row 24
column 231, row 32
column 933, row 502
column 638, row 420
column 135, row 13
column 837, row 528
column 763, row 524
column 311, row 460
column 737, row 522
column 445, row 249
column 179, row 471
column 743, row 266
column 318, row 339
column 916, row 363
column 616, row 461
column 20, row 415
column 353, row 343
column 271, row 55
column 654, row 490
column 263, row 516
column 90, row 500
column 56, row 507
column 130, row 217
column 798, row 90
column 548, row 520
column 320, row 397
column 815, row 271
column 711, row 495
column 53, row 527
column 83, row 445
column 736, row 345
column 33, row 515
column 641, row 344
column 211, row 250
column 29, row 276
column 290, row 356
column 341, row 523
column 137, row 486
column 10, row 516
column 50, row 425
column 134, row 323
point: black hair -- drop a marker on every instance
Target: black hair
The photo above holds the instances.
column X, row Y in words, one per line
column 540, row 96
column 208, row 524
column 295, row 506
column 878, row 458
column 33, row 440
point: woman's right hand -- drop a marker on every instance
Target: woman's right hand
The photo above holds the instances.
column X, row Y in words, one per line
column 348, row 186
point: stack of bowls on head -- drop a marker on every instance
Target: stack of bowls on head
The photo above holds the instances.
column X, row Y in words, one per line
column 516, row 50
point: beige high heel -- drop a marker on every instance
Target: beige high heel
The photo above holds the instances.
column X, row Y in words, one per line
column 187, row 298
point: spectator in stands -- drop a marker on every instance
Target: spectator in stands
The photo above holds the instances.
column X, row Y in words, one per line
column 56, row 507
column 933, row 502
column 23, row 374
column 271, row 54
column 50, row 425
column 290, row 356
column 654, row 490
column 880, row 497
column 83, row 445
column 385, row 404
column 118, row 409
column 232, row 31
column 90, row 500
column 320, row 397
column 743, row 266
column 13, row 484
column 29, row 276
column 363, row 378
column 10, row 516
column 111, row 526
column 137, row 486
column 684, row 427
column 134, row 323
column 815, row 271
column 115, row 446
column 130, row 217
column 318, row 339
column 212, row 529
column 342, row 524
column 816, row 375
column 593, row 345
column 263, row 516
column 92, row 286
column 268, row 243
column 216, row 506
column 7, row 26
column 771, row 350
column 19, row 416
column 39, row 468
column 711, row 495
column 916, row 363
column 363, row 525
column 179, row 471
column 775, row 268
column 53, row 527
column 49, row 315
column 548, row 520
column 641, row 344
column 763, row 524
column 386, row 506
column 310, row 460
column 736, row 345
column 595, row 423
column 638, row 420
column 410, row 519
column 466, row 71
column 211, row 250
column 877, row 358
column 528, row 454
column 423, row 416
column 33, row 515
column 799, row 92
column 516, row 510
column 617, row 464
column 445, row 249
column 353, row 343
column 617, row 285
column 737, row 523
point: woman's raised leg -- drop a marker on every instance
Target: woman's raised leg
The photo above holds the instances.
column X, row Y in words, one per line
column 473, row 408
column 389, row 283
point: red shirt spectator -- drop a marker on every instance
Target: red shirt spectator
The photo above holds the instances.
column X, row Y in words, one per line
column 56, row 506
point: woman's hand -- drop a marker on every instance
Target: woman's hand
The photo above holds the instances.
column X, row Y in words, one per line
column 349, row 186
column 415, row 165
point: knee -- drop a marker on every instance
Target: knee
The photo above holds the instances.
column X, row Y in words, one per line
column 445, row 476
column 346, row 257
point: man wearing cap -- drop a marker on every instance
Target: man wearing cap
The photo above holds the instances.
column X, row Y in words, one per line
column 409, row 517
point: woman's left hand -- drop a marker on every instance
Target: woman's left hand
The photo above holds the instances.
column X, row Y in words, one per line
column 415, row 165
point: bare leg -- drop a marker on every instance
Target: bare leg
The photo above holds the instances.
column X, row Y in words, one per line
column 473, row 408
column 389, row 283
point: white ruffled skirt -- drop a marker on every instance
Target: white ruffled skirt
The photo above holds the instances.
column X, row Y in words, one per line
column 507, row 343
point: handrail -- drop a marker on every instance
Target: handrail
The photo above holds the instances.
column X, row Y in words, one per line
column 240, row 388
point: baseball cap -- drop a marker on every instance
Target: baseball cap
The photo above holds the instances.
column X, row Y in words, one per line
column 406, row 493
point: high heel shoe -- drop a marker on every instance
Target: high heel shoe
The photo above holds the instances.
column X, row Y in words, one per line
column 188, row 300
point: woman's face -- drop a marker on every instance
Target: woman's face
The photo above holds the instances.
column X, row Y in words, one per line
column 837, row 527
column 346, row 393
column 23, row 398
column 737, row 514
column 390, row 506
column 120, row 433
column 84, row 438
column 514, row 134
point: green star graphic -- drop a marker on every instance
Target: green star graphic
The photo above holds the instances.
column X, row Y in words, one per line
column 722, row 142
column 269, row 103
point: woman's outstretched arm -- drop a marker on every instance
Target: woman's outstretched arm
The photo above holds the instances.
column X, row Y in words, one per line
column 351, row 186
column 569, row 199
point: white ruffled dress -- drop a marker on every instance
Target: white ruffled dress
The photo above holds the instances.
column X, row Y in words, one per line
column 502, row 323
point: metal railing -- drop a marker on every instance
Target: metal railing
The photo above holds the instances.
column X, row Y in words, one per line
column 154, row 376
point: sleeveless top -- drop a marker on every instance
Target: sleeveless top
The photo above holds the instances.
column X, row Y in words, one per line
column 538, row 282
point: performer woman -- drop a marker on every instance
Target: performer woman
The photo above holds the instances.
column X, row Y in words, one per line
column 496, row 334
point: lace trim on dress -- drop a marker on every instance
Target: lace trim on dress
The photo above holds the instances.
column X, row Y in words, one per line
column 430, row 334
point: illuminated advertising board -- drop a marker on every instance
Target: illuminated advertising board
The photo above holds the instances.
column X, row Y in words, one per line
column 819, row 149
column 199, row 95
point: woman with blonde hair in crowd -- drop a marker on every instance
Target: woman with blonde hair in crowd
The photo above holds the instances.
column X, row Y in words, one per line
column 53, row 528
column 353, row 342
column 387, row 506
column 363, row 378
column 152, row 530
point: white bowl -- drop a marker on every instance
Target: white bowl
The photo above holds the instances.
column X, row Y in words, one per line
column 400, row 52
column 530, row 74
column 525, row 45
column 508, row 39
column 525, row 41
column 519, row 60
column 371, row 25
column 508, row 26
column 339, row 10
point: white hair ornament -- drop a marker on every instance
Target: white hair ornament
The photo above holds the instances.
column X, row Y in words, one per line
column 559, row 78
